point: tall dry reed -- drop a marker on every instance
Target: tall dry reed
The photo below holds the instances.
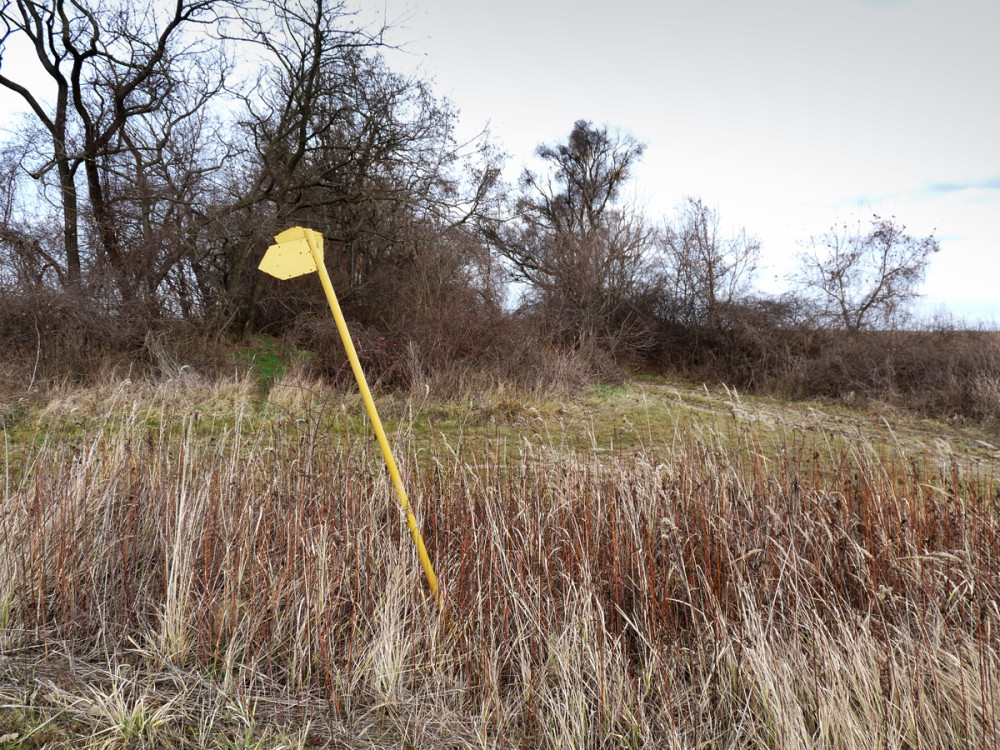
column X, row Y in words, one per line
column 254, row 582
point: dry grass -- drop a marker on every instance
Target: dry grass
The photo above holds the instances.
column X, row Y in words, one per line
column 250, row 584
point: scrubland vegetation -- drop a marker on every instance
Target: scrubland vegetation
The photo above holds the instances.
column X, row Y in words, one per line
column 666, row 509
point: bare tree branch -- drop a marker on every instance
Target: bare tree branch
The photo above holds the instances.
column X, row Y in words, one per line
column 863, row 279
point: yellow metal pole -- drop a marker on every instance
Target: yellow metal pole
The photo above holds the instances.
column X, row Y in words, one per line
column 366, row 395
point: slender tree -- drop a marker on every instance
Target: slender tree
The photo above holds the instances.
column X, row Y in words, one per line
column 583, row 251
column 865, row 278
column 706, row 271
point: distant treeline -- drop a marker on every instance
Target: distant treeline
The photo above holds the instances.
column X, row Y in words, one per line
column 169, row 144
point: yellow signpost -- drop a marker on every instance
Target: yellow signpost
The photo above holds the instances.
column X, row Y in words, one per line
column 300, row 251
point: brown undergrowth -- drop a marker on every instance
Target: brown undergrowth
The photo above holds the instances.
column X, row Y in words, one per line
column 252, row 585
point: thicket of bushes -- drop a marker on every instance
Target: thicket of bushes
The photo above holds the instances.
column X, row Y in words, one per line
column 940, row 372
column 134, row 246
column 52, row 337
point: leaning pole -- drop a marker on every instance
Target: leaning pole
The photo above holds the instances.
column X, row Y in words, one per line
column 298, row 252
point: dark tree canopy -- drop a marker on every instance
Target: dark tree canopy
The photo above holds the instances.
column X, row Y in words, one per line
column 589, row 170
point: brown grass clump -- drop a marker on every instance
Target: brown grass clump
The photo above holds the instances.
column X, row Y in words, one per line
column 253, row 586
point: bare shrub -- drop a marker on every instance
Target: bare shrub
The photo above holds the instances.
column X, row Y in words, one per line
column 54, row 335
column 51, row 336
column 933, row 372
column 986, row 397
column 775, row 346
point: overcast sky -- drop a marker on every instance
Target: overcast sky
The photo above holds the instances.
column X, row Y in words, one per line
column 784, row 115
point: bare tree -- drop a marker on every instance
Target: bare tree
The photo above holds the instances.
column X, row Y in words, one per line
column 178, row 193
column 584, row 255
column 340, row 142
column 865, row 278
column 706, row 271
column 109, row 64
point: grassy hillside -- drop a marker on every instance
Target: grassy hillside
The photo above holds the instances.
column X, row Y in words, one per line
column 195, row 564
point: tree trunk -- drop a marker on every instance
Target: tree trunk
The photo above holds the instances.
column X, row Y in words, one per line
column 71, row 215
column 106, row 229
column 67, row 186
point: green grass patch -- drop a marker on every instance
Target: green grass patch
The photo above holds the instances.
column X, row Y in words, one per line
column 269, row 360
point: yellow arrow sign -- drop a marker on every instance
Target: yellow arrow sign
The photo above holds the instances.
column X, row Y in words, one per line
column 292, row 256
column 300, row 251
